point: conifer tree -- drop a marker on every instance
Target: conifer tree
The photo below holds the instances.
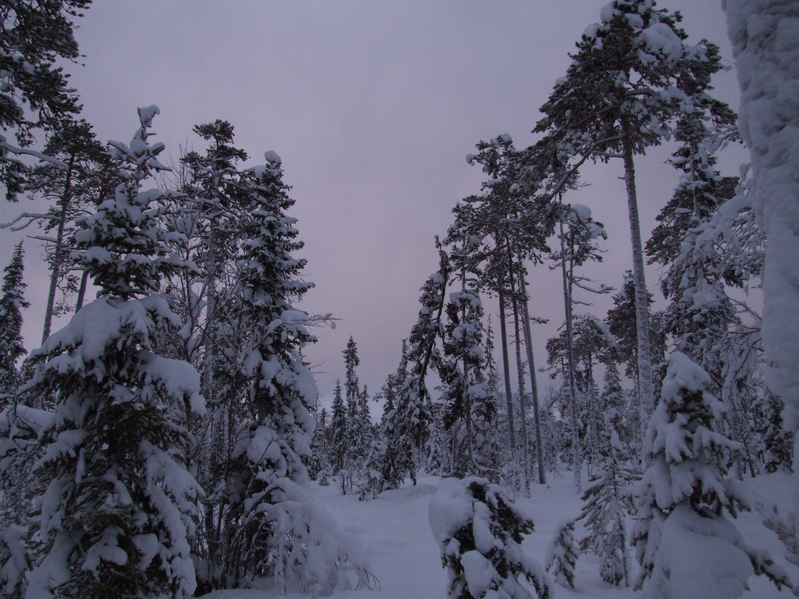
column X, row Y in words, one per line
column 270, row 376
column 84, row 180
column 34, row 35
column 409, row 425
column 606, row 503
column 352, row 396
column 479, row 532
column 20, row 427
column 339, row 449
column 632, row 77
column 462, row 373
column 562, row 554
column 11, row 348
column 118, row 506
column 686, row 495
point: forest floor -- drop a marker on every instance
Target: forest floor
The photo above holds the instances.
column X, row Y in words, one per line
column 404, row 557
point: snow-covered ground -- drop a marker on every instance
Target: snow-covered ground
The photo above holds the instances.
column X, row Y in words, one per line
column 404, row 557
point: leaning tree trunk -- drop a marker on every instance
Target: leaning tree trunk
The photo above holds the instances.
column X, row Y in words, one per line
column 58, row 253
column 646, row 392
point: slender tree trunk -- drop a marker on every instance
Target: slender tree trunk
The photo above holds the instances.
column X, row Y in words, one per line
column 58, row 255
column 646, row 390
column 467, row 394
column 528, row 342
column 520, row 375
column 567, row 301
column 522, row 401
column 84, row 282
column 503, row 333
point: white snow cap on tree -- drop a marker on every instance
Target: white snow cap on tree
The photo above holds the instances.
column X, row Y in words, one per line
column 763, row 35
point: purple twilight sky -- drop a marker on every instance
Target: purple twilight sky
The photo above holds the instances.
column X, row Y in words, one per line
column 373, row 106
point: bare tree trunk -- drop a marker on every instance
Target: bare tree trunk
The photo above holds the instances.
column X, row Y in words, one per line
column 58, row 253
column 503, row 333
column 84, row 281
column 567, row 301
column 645, row 384
column 528, row 342
column 520, row 376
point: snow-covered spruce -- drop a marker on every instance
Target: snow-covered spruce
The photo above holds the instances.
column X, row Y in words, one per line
column 686, row 545
column 606, row 504
column 272, row 535
column 562, row 554
column 409, row 425
column 20, row 428
column 116, row 506
column 12, row 303
column 479, row 532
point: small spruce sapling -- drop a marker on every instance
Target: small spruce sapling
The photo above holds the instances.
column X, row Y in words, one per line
column 685, row 543
column 562, row 554
column 479, row 532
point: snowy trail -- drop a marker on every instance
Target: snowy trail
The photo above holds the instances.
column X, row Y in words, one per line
column 404, row 557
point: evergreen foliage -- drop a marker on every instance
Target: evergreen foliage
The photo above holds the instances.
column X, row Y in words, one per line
column 34, row 36
column 11, row 347
column 117, row 507
column 562, row 555
column 606, row 503
column 410, row 423
column 479, row 532
column 685, row 494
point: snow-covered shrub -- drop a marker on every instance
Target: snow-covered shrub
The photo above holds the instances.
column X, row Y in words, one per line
column 562, row 554
column 479, row 532
column 288, row 542
column 685, row 544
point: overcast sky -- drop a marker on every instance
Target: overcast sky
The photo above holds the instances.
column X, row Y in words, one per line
column 373, row 106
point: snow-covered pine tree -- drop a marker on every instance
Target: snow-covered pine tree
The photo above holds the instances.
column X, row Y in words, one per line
column 21, row 427
column 776, row 441
column 479, row 531
column 619, row 415
column 320, row 469
column 34, row 35
column 504, row 226
column 632, row 76
column 685, row 496
column 622, row 324
column 578, row 234
column 761, row 32
column 339, row 443
column 117, row 507
column 562, row 554
column 11, row 347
